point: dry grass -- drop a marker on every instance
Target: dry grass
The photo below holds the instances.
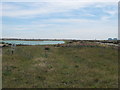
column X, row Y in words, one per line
column 65, row 67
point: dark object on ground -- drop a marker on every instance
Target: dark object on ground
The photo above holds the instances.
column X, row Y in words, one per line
column 47, row 48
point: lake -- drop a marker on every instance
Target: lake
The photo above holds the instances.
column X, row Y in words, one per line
column 19, row 42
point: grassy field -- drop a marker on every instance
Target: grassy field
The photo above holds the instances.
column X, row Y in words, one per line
column 64, row 67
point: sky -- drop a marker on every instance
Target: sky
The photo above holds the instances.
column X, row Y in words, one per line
column 59, row 19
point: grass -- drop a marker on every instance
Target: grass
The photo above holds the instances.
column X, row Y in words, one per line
column 64, row 67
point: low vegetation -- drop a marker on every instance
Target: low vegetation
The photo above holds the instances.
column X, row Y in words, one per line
column 63, row 67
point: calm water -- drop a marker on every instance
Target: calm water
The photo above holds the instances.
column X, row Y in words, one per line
column 33, row 42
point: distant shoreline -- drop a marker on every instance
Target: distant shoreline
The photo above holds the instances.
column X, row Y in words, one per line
column 65, row 40
column 49, row 39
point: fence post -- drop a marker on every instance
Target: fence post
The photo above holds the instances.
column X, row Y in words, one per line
column 13, row 48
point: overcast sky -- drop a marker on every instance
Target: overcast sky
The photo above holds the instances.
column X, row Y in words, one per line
column 60, row 19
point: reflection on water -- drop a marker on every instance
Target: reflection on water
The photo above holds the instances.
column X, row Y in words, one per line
column 33, row 42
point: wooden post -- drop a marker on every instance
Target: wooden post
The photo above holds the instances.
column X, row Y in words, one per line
column 13, row 48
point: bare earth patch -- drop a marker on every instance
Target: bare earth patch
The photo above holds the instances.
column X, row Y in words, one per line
column 40, row 62
column 40, row 59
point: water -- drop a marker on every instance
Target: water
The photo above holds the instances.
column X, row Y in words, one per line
column 17, row 42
